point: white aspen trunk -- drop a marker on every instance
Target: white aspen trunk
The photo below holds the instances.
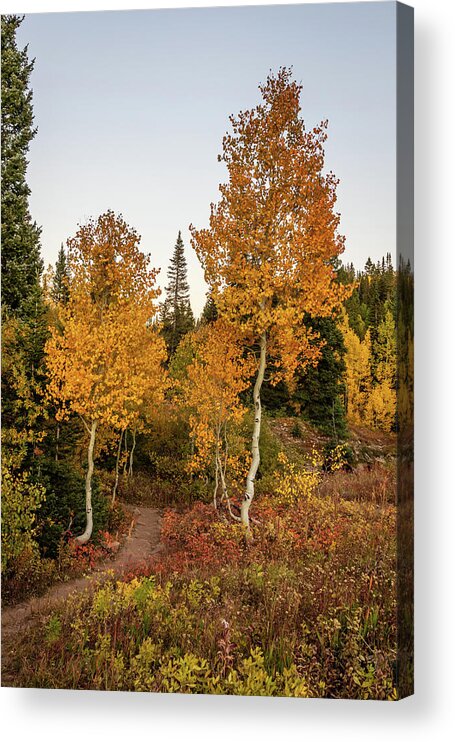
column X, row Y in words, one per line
column 215, row 491
column 223, row 480
column 255, row 460
column 117, row 466
column 221, row 467
column 83, row 538
column 130, row 470
column 217, row 467
column 57, row 438
column 125, row 463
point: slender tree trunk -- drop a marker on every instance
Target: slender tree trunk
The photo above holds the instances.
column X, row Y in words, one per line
column 255, row 460
column 130, row 470
column 217, row 467
column 117, row 466
column 222, row 468
column 191, row 456
column 88, row 488
column 224, row 492
column 215, row 491
column 126, row 454
column 57, row 438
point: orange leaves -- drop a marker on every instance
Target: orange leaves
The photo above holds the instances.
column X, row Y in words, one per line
column 107, row 361
column 215, row 378
column 272, row 241
column 106, row 264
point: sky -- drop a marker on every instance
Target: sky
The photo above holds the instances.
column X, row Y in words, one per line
column 131, row 108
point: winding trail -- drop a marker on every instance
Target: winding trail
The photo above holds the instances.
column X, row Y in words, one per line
column 143, row 543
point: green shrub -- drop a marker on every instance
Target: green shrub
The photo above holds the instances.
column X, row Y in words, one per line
column 64, row 505
column 22, row 499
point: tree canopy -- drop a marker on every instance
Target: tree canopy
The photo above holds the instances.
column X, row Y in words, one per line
column 270, row 249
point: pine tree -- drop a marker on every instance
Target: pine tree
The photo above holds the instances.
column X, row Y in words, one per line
column 321, row 389
column 176, row 314
column 60, row 283
column 24, row 319
column 21, row 262
column 209, row 312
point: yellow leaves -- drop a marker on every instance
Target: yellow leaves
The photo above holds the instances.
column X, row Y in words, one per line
column 106, row 362
column 294, row 484
column 23, row 382
column 293, row 346
column 382, row 404
column 381, row 407
column 20, row 501
column 358, row 372
column 106, row 265
column 371, row 401
column 214, row 379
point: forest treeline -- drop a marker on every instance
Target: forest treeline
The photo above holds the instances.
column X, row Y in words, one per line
column 105, row 381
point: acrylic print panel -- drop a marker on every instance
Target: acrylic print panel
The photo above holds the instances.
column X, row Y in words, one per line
column 207, row 328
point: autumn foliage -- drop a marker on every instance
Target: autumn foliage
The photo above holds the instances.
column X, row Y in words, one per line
column 371, row 375
column 269, row 251
column 104, row 356
column 102, row 364
column 297, row 597
column 217, row 375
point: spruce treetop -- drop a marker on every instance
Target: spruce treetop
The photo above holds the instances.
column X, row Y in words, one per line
column 176, row 313
column 21, row 262
column 60, row 283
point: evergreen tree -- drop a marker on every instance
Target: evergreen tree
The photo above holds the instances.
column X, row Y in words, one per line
column 176, row 314
column 320, row 389
column 24, row 313
column 21, row 262
column 24, row 319
column 60, row 283
column 209, row 312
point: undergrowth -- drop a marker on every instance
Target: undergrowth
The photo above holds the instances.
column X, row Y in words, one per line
column 307, row 608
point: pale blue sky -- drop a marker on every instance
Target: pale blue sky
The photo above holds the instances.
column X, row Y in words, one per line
column 131, row 108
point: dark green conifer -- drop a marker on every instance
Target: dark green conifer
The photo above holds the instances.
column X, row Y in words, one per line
column 320, row 389
column 176, row 314
column 209, row 312
column 21, row 262
column 60, row 283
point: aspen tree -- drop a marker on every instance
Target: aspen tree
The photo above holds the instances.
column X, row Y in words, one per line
column 105, row 356
column 270, row 249
column 211, row 389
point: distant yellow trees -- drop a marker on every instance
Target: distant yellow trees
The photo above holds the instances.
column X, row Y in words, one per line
column 358, row 372
column 371, row 375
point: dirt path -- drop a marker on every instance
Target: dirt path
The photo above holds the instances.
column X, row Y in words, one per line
column 143, row 542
